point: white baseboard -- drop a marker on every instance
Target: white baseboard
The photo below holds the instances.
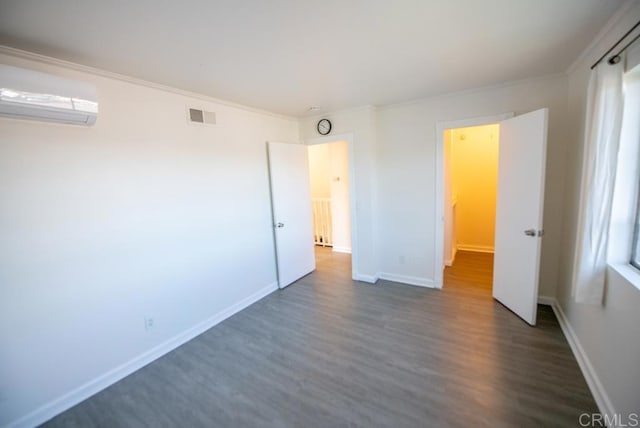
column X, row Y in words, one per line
column 96, row 385
column 597, row 389
column 371, row 279
column 346, row 250
column 546, row 300
column 410, row 280
column 475, row 248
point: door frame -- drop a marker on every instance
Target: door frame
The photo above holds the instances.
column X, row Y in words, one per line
column 442, row 126
column 348, row 137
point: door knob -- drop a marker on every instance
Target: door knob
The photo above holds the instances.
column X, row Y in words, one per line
column 280, row 225
column 530, row 232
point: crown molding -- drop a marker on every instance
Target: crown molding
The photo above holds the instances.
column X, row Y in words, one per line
column 31, row 56
column 329, row 113
column 471, row 91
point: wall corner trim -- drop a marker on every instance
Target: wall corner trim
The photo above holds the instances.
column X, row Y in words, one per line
column 597, row 389
column 70, row 399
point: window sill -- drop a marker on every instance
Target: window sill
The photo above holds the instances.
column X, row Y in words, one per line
column 628, row 272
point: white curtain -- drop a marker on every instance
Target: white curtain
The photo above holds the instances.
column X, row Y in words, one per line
column 602, row 138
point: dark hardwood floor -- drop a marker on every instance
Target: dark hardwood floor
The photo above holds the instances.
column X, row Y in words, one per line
column 329, row 352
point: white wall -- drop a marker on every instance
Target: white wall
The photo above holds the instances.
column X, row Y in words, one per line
column 395, row 149
column 141, row 215
column 608, row 334
column 319, row 171
column 406, row 159
column 474, row 155
column 339, row 183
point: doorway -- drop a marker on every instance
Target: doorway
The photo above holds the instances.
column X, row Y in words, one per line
column 518, row 207
column 443, row 223
column 291, row 205
column 340, row 151
column 329, row 178
column 470, row 189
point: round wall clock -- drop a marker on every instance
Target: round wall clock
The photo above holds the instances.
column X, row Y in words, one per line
column 324, row 126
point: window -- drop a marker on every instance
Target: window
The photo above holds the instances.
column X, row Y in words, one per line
column 624, row 234
column 631, row 136
column 635, row 245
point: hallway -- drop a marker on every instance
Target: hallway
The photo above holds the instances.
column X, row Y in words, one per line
column 328, row 351
column 471, row 272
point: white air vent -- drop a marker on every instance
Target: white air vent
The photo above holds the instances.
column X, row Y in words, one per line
column 195, row 115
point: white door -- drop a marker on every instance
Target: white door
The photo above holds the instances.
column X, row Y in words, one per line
column 521, row 168
column 291, row 205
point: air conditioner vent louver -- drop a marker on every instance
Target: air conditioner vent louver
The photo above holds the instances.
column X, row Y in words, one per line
column 201, row 116
column 28, row 94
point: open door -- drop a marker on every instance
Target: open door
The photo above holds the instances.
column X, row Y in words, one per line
column 291, row 206
column 521, row 171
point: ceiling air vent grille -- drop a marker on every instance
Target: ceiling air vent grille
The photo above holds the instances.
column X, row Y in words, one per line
column 201, row 116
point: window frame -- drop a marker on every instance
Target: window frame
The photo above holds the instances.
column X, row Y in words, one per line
column 634, row 259
column 623, row 253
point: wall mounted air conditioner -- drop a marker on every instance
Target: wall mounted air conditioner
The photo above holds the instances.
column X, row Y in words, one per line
column 28, row 94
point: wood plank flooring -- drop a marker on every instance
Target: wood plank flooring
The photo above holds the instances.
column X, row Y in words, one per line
column 331, row 352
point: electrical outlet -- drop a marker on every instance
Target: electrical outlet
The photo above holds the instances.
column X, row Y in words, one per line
column 148, row 323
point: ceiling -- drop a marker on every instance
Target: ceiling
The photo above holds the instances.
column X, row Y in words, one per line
column 287, row 55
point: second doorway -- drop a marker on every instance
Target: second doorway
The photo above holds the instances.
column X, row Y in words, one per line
column 330, row 199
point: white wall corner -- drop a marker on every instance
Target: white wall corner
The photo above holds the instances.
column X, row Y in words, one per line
column 452, row 257
column 595, row 385
column 59, row 405
column 454, row 254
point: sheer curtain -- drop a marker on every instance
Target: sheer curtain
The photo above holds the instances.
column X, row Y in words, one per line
column 602, row 137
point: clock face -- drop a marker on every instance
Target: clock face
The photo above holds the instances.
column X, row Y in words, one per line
column 324, row 127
